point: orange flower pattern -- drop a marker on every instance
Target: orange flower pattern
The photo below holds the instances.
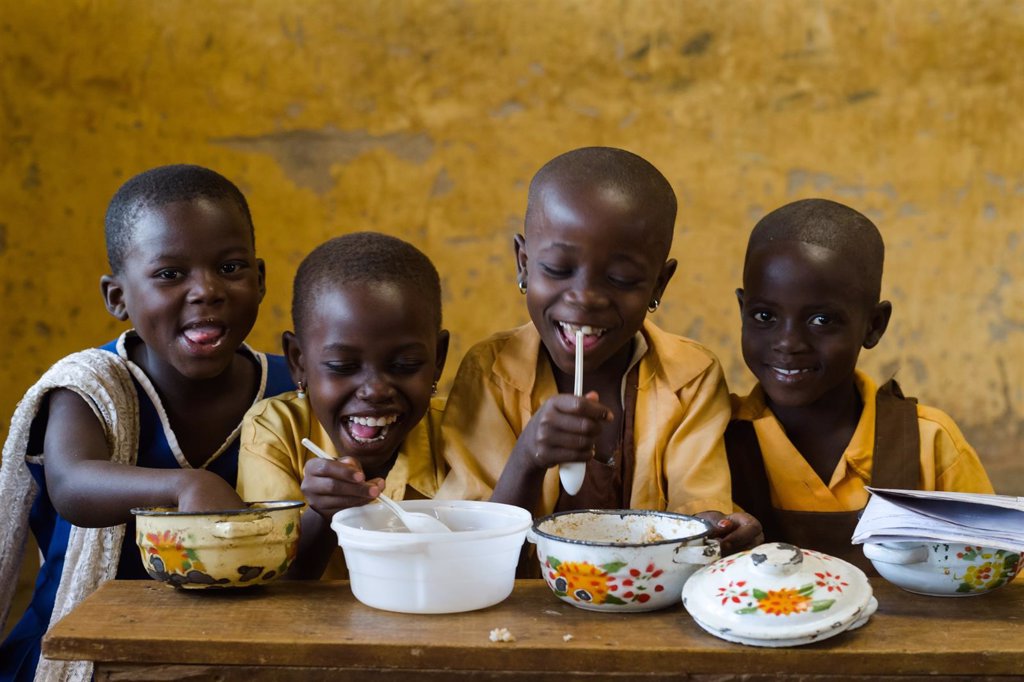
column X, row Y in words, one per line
column 176, row 558
column 783, row 602
column 604, row 584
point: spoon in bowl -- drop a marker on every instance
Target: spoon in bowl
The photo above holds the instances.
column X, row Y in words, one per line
column 417, row 522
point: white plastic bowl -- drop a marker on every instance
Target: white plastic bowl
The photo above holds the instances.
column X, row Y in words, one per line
column 471, row 568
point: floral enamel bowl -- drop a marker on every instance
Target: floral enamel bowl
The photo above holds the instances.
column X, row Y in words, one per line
column 944, row 569
column 237, row 548
column 779, row 595
column 472, row 567
column 621, row 560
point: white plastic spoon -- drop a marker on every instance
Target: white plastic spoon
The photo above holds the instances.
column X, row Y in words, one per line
column 572, row 473
column 417, row 522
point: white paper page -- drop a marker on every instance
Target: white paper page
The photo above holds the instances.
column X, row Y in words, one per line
column 885, row 521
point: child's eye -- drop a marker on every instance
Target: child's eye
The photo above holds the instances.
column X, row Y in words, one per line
column 167, row 274
column 344, row 368
column 231, row 268
column 624, row 282
column 555, row 271
column 407, row 367
column 820, row 320
column 762, row 316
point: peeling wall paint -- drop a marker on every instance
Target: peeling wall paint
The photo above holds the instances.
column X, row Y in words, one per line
column 426, row 119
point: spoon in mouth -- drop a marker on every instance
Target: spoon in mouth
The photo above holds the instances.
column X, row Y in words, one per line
column 417, row 522
column 572, row 473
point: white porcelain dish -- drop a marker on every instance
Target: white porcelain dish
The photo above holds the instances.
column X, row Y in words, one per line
column 471, row 568
column 621, row 560
column 944, row 569
column 778, row 595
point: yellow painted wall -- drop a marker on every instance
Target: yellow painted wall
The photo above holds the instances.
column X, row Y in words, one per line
column 426, row 119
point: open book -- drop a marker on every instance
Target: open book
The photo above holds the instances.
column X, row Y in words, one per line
column 904, row 515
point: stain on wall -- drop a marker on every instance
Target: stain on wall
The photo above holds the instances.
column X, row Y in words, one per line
column 426, row 119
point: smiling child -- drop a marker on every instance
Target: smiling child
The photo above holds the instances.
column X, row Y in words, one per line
column 594, row 258
column 366, row 354
column 815, row 430
column 151, row 419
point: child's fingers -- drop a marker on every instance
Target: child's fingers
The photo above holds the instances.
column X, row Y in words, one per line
column 738, row 532
column 330, row 486
column 586, row 406
column 345, row 469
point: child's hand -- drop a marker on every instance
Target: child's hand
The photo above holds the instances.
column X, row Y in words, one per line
column 735, row 532
column 205, row 491
column 564, row 429
column 332, row 485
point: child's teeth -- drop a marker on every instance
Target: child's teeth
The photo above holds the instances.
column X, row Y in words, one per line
column 375, row 421
column 586, row 329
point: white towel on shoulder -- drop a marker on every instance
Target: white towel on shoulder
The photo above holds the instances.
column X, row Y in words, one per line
column 102, row 379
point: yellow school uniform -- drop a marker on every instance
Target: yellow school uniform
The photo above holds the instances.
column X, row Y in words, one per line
column 271, row 456
column 682, row 409
column 947, row 461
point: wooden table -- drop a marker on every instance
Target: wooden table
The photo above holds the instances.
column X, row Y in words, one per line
column 140, row 630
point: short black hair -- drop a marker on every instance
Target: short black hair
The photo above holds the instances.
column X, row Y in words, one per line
column 364, row 257
column 831, row 225
column 590, row 167
column 158, row 187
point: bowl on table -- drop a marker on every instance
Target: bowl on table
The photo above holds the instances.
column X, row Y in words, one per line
column 944, row 569
column 621, row 560
column 778, row 595
column 471, row 568
column 236, row 548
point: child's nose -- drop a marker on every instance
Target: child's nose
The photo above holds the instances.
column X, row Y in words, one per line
column 587, row 294
column 375, row 389
column 206, row 288
column 789, row 338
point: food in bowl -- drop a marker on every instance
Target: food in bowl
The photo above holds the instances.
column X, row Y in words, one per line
column 471, row 568
column 944, row 569
column 621, row 560
column 237, row 548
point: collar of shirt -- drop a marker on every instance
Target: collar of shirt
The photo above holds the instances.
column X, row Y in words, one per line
column 860, row 450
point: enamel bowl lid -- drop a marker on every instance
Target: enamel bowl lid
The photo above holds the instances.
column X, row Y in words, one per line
column 779, row 595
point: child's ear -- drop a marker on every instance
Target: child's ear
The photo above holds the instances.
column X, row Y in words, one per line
column 739, row 299
column 443, row 338
column 261, row 269
column 878, row 323
column 667, row 270
column 519, row 244
column 293, row 356
column 113, row 297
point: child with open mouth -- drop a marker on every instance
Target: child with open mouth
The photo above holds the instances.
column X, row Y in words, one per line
column 593, row 262
column 366, row 353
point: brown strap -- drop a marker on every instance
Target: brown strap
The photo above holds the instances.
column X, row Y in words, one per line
column 750, row 487
column 895, row 464
column 897, row 453
column 826, row 532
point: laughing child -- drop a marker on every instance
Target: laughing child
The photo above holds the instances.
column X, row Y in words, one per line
column 366, row 355
column 815, row 430
column 151, row 419
column 594, row 257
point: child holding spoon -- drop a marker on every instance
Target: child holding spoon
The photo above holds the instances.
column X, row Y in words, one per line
column 593, row 261
column 366, row 354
